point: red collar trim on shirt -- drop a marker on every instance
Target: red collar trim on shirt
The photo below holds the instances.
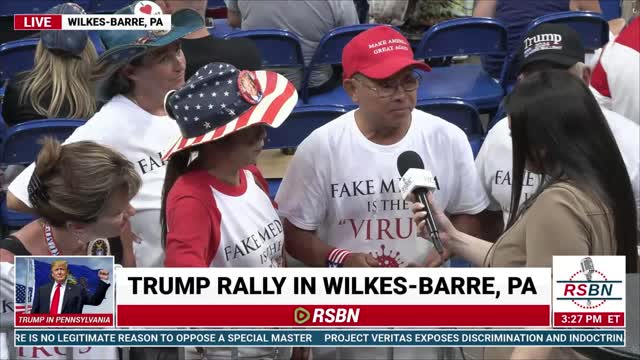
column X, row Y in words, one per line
column 226, row 188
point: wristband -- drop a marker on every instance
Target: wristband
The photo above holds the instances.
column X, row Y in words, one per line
column 337, row 257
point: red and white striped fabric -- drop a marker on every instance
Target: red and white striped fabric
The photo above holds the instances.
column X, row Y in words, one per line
column 279, row 99
column 616, row 77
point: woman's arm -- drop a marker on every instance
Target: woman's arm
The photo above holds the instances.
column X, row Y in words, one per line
column 485, row 8
column 585, row 5
column 191, row 241
column 470, row 248
column 233, row 13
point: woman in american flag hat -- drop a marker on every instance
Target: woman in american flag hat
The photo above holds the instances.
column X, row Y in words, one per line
column 216, row 211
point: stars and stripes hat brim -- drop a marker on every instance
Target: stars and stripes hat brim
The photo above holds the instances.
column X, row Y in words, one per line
column 215, row 103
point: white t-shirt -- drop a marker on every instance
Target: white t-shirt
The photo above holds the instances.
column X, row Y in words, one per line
column 259, row 223
column 8, row 351
column 494, row 161
column 141, row 138
column 616, row 78
column 346, row 187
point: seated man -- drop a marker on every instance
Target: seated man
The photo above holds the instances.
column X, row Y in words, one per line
column 340, row 195
column 494, row 160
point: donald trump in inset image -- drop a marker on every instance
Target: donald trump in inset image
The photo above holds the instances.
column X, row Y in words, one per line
column 64, row 295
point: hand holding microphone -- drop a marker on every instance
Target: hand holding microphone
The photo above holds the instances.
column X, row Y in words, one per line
column 416, row 184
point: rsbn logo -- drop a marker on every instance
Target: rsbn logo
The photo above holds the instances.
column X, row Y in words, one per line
column 588, row 288
column 326, row 316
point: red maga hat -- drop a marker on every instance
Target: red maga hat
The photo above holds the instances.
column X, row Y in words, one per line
column 378, row 53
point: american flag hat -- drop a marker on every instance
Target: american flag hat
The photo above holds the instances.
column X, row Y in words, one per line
column 219, row 100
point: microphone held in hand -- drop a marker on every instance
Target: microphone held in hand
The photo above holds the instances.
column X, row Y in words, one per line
column 418, row 181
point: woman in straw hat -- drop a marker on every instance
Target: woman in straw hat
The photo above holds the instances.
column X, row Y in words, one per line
column 134, row 73
column 213, row 197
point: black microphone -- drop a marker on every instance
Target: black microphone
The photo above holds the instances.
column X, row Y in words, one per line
column 418, row 181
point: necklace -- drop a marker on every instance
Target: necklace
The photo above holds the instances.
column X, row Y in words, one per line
column 99, row 246
column 51, row 242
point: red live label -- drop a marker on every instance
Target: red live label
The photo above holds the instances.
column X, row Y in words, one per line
column 605, row 319
column 37, row 22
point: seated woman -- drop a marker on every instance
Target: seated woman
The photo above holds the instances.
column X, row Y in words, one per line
column 133, row 75
column 584, row 205
column 81, row 193
column 59, row 85
column 212, row 202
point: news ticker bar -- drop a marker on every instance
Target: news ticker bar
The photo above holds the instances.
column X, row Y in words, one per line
column 313, row 337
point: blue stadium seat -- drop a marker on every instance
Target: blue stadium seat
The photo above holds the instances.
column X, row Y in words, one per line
column 106, row 6
column 465, row 36
column 3, row 133
column 1, row 102
column 10, row 7
column 500, row 114
column 329, row 52
column 611, row 9
column 279, row 48
column 303, row 121
column 592, row 27
column 16, row 56
column 221, row 28
column 21, row 146
column 215, row 4
column 458, row 112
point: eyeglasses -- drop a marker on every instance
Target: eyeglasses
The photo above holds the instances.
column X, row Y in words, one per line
column 387, row 89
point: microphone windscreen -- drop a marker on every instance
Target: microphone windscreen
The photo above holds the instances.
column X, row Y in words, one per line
column 409, row 160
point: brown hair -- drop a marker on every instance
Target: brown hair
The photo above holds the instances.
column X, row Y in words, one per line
column 74, row 182
column 177, row 166
column 113, row 82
